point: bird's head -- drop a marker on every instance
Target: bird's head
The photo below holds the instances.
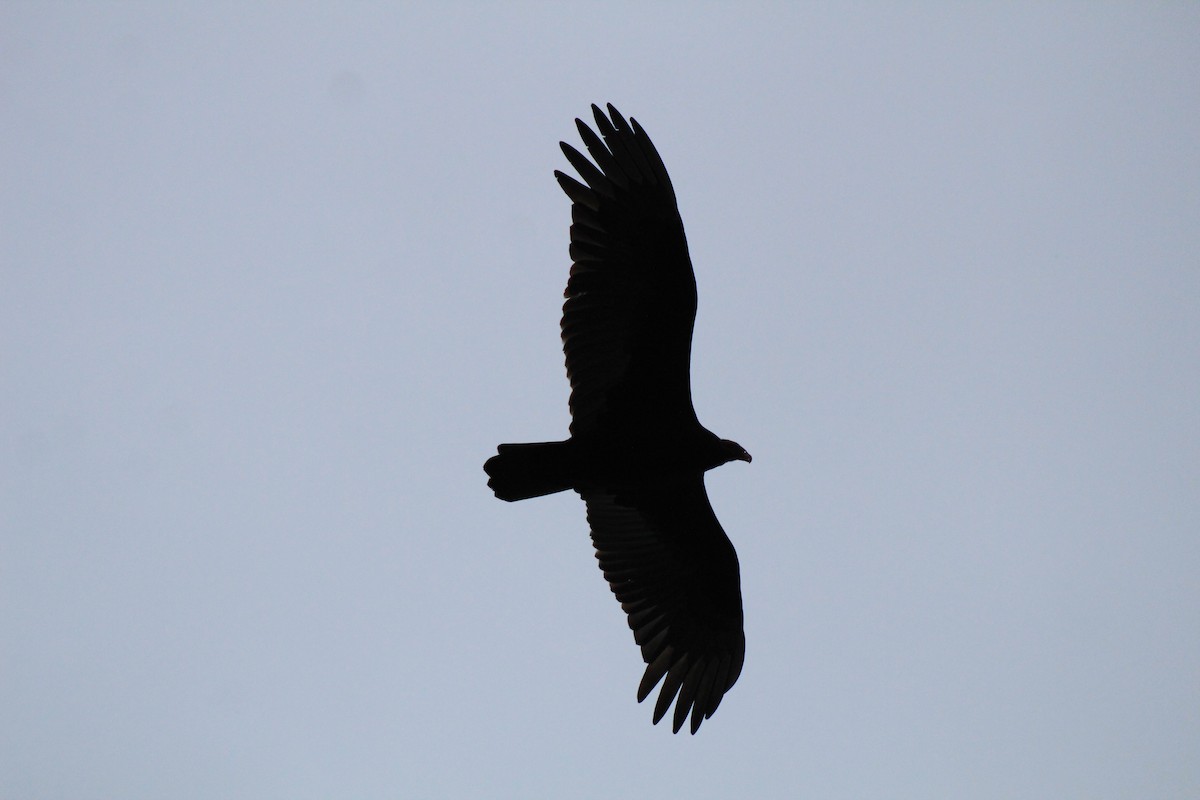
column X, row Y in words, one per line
column 734, row 451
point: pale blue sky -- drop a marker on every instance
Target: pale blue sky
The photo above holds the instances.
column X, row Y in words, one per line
column 276, row 278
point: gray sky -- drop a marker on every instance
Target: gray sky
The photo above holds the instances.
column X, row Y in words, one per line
column 275, row 280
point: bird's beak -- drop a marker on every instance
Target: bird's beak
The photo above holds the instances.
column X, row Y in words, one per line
column 745, row 457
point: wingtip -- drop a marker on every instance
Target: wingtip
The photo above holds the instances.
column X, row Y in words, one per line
column 613, row 118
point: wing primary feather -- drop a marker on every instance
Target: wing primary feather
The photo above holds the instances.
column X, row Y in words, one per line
column 670, row 688
column 687, row 693
column 654, row 673
column 577, row 191
column 704, row 693
column 592, row 176
column 616, row 143
column 633, row 145
column 720, row 685
column 618, row 121
column 656, row 162
column 602, row 155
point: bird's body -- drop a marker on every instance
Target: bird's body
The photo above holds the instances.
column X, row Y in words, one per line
column 637, row 453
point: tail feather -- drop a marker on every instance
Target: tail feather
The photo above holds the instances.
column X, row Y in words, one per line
column 521, row 471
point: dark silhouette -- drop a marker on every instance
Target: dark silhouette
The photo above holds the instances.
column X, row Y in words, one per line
column 637, row 454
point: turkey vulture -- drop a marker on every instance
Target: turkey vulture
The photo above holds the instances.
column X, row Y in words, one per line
column 637, row 454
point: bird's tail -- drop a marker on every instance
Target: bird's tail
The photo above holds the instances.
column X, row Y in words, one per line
column 521, row 471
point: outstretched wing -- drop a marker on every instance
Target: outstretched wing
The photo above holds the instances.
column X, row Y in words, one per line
column 675, row 574
column 631, row 298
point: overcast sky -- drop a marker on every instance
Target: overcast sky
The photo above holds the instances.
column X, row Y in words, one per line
column 275, row 279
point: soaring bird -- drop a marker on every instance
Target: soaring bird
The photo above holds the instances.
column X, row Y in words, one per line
column 637, row 454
